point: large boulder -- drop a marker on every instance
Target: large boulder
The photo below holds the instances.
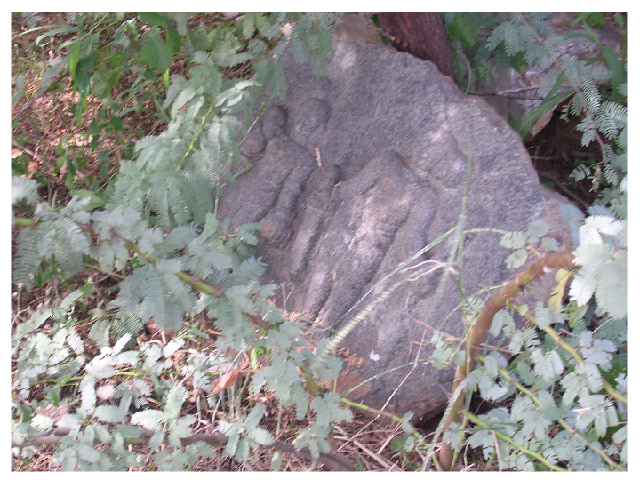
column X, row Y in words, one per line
column 355, row 172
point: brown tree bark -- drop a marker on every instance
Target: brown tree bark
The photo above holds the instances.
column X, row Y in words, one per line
column 419, row 33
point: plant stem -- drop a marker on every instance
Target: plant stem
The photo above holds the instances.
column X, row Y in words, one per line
column 562, row 423
column 483, row 324
column 560, row 341
column 195, row 135
column 508, row 439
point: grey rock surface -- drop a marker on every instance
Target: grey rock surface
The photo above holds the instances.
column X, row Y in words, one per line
column 357, row 171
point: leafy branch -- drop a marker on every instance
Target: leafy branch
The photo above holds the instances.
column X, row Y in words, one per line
column 576, row 356
column 482, row 326
column 562, row 422
column 510, row 440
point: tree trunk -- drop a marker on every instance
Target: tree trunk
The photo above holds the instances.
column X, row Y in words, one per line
column 421, row 34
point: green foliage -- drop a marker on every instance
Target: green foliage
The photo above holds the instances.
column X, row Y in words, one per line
column 559, row 380
column 155, row 228
column 534, row 237
column 312, row 36
column 88, row 381
column 155, row 53
column 602, row 254
column 562, row 390
column 328, row 413
column 596, row 88
column 555, row 379
column 245, row 435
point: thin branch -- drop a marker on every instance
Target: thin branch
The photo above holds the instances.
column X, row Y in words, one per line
column 213, row 290
column 466, row 60
column 483, row 324
column 507, row 93
column 508, row 439
column 562, row 423
column 559, row 341
column 368, row 451
column 584, row 205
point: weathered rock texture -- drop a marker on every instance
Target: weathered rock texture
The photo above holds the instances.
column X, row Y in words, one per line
column 354, row 173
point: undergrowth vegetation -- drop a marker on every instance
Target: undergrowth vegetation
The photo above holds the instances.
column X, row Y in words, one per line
column 152, row 327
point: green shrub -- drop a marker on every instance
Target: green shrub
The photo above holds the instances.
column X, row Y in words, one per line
column 88, row 382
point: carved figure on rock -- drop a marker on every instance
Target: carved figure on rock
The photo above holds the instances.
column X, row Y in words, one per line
column 353, row 174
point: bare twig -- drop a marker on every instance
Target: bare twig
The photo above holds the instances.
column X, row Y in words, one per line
column 584, row 206
column 497, row 447
column 389, row 438
column 372, row 454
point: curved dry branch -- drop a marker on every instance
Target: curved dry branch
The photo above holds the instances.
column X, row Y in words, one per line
column 483, row 324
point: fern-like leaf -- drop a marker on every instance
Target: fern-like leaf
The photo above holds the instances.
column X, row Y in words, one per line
column 27, row 260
